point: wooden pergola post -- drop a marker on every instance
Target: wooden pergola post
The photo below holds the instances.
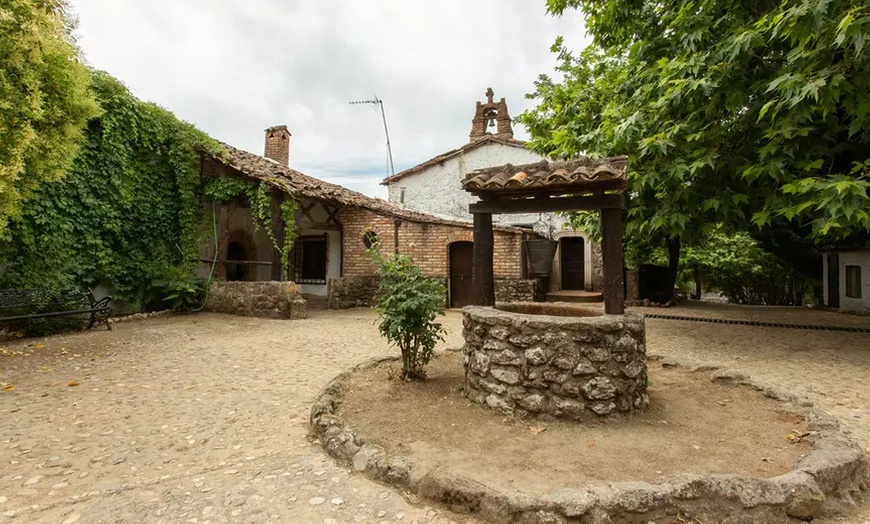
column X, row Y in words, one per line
column 611, row 253
column 483, row 282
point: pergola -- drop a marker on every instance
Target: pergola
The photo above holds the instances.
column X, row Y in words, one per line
column 578, row 184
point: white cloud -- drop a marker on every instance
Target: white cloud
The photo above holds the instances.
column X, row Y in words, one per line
column 236, row 67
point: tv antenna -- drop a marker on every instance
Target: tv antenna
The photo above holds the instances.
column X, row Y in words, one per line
column 379, row 105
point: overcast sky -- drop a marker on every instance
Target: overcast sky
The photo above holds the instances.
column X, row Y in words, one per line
column 236, row 67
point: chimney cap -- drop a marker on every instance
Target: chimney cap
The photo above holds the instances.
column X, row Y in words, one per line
column 278, row 128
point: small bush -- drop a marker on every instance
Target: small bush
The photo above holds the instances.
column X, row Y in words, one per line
column 179, row 293
column 409, row 303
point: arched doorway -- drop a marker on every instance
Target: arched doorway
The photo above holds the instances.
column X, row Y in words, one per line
column 573, row 263
column 235, row 253
column 460, row 273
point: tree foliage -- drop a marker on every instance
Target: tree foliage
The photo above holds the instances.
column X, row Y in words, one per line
column 126, row 215
column 735, row 112
column 45, row 99
column 409, row 303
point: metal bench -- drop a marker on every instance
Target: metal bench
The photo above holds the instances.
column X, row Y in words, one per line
column 23, row 304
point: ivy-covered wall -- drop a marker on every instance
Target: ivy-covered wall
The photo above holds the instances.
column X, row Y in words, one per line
column 127, row 213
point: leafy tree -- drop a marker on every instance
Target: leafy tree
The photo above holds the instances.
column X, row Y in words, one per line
column 742, row 113
column 45, row 99
column 409, row 303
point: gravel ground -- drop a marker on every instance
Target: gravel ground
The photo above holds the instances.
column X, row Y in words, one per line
column 204, row 418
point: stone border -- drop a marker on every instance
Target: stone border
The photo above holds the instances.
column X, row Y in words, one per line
column 139, row 316
column 828, row 476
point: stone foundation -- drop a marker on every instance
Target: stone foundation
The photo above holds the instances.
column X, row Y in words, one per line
column 565, row 366
column 257, row 299
column 350, row 292
column 519, row 291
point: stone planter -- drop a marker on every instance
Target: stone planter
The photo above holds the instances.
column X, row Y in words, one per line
column 519, row 359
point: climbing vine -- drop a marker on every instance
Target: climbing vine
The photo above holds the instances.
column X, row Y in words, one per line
column 126, row 214
column 225, row 188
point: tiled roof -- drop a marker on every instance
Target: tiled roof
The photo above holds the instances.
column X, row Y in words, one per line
column 577, row 175
column 300, row 185
column 488, row 139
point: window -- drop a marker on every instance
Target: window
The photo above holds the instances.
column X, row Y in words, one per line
column 853, row 281
column 309, row 260
column 370, row 239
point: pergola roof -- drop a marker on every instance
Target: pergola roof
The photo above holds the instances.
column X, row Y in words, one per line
column 577, row 176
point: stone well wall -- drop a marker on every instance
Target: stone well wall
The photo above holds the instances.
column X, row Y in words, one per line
column 567, row 367
column 257, row 299
column 510, row 290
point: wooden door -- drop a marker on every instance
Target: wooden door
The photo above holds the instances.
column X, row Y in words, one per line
column 833, row 280
column 460, row 273
column 573, row 262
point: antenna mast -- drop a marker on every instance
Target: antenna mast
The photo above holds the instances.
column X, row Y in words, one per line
column 379, row 104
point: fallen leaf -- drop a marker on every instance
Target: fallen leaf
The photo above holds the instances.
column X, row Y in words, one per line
column 73, row 384
column 590, row 445
column 537, row 429
column 39, row 346
column 7, row 387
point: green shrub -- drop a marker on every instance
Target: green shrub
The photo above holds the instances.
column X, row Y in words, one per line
column 180, row 293
column 408, row 303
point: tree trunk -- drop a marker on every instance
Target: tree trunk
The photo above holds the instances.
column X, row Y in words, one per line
column 674, row 246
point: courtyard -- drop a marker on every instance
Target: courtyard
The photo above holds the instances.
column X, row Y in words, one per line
column 204, row 418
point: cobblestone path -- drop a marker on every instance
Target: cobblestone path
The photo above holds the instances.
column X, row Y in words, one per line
column 204, row 418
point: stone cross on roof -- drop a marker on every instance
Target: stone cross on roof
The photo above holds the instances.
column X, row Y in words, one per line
column 489, row 95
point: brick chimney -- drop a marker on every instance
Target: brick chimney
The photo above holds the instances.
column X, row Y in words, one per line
column 278, row 144
column 491, row 114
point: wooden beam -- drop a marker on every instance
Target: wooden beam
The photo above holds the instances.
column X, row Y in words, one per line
column 611, row 253
column 482, row 281
column 545, row 205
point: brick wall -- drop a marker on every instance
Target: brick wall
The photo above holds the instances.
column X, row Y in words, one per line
column 428, row 244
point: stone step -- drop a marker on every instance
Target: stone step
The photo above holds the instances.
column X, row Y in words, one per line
column 575, row 296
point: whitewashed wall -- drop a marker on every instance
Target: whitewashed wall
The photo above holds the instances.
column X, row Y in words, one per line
column 861, row 259
column 305, row 227
column 438, row 189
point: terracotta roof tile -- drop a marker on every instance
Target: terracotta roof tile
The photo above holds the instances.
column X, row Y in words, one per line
column 300, row 185
column 575, row 176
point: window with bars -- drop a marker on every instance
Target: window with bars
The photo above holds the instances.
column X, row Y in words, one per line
column 853, row 281
column 309, row 259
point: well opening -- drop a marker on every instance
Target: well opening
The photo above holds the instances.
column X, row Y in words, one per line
column 544, row 308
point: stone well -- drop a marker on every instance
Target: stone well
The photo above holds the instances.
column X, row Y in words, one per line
column 552, row 359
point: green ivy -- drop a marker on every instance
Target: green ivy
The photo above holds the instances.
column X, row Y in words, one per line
column 227, row 188
column 127, row 212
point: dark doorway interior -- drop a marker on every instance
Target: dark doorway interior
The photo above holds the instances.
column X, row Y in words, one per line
column 460, row 273
column 235, row 253
column 310, row 260
column 573, row 261
column 833, row 280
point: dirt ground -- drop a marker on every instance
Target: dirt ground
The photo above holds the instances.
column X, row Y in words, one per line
column 204, row 418
column 692, row 425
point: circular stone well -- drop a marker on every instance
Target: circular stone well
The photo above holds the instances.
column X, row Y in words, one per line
column 554, row 359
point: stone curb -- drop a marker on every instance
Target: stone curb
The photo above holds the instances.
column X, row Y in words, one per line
column 139, row 316
column 830, row 475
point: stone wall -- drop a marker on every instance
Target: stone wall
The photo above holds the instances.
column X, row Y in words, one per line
column 350, row 292
column 519, row 291
column 568, row 367
column 257, row 299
